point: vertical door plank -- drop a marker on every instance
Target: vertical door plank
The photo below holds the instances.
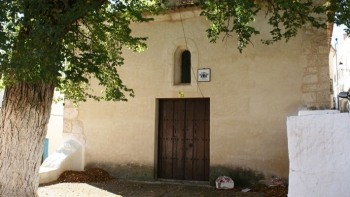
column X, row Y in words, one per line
column 189, row 146
column 178, row 139
column 207, row 140
column 165, row 109
column 168, row 141
column 199, row 139
column 160, row 140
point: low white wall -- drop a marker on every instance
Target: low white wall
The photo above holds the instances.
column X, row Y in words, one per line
column 317, row 112
column 69, row 156
column 319, row 147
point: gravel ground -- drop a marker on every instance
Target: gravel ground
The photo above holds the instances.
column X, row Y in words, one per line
column 97, row 183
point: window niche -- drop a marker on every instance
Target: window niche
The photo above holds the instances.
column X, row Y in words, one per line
column 182, row 66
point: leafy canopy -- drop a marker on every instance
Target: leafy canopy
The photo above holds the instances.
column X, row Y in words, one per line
column 68, row 42
column 338, row 12
column 285, row 17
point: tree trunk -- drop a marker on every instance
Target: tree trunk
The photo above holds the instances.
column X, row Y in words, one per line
column 25, row 114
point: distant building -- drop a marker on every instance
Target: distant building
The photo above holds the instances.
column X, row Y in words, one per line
column 341, row 68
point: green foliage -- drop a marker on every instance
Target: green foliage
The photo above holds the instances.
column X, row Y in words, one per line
column 289, row 16
column 231, row 16
column 70, row 42
column 285, row 17
column 339, row 13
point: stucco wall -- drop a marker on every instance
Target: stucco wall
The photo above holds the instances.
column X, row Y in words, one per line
column 318, row 152
column 251, row 94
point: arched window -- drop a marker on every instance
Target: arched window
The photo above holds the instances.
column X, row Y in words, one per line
column 186, row 67
column 182, row 65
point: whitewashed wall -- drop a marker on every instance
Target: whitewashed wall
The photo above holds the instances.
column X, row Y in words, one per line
column 319, row 147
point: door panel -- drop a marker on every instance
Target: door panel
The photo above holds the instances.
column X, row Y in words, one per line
column 189, row 146
column 178, row 138
column 183, row 151
column 165, row 153
column 207, row 139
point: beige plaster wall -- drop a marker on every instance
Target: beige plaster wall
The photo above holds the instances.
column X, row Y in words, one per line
column 251, row 94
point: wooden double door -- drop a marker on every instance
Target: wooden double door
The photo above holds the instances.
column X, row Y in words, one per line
column 183, row 139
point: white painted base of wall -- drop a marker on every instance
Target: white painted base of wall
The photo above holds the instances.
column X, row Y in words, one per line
column 70, row 156
column 314, row 112
column 319, row 159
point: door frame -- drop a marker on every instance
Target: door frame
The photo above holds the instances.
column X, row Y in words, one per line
column 156, row 137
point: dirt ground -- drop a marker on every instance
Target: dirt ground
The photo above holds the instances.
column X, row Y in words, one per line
column 97, row 178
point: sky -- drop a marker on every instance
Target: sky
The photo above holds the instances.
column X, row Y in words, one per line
column 338, row 32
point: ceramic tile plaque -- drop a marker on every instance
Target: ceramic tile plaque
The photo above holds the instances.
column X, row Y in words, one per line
column 203, row 74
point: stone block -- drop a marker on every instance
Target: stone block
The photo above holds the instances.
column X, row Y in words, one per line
column 323, row 32
column 323, row 74
column 311, row 60
column 323, row 49
column 77, row 127
column 307, row 79
column 323, row 60
column 307, row 26
column 309, row 32
column 319, row 106
column 315, row 87
column 321, row 40
column 324, row 105
column 323, row 96
column 311, row 70
column 312, row 106
column 68, row 103
column 324, row 70
column 309, row 88
column 67, row 126
column 317, row 60
column 306, row 48
column 309, row 97
column 70, row 113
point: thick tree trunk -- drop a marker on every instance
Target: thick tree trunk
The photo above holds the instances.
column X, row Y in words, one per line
column 25, row 114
